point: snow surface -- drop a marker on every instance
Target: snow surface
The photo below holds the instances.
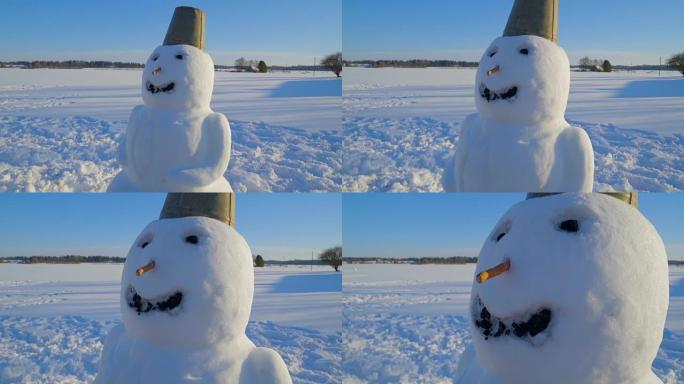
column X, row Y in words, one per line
column 409, row 323
column 59, row 128
column 54, row 318
column 400, row 126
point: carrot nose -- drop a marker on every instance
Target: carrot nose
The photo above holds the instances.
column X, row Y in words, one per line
column 156, row 71
column 146, row 268
column 493, row 272
column 493, row 71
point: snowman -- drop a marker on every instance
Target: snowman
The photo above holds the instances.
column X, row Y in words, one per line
column 175, row 142
column 570, row 288
column 186, row 297
column 519, row 140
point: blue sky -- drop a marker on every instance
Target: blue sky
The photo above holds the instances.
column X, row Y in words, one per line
column 280, row 32
column 277, row 226
column 286, row 226
column 442, row 225
column 625, row 31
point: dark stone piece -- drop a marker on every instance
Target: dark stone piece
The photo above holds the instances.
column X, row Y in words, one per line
column 569, row 226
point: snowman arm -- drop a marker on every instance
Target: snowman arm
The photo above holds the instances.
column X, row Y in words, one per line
column 578, row 175
column 107, row 365
column 264, row 365
column 455, row 182
column 133, row 121
column 213, row 154
column 121, row 152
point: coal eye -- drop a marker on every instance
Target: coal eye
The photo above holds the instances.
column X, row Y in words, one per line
column 501, row 235
column 144, row 244
column 492, row 53
column 192, row 239
column 179, row 57
column 569, row 226
column 524, row 51
column 155, row 57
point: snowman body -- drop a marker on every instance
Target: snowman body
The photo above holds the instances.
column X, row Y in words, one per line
column 184, row 321
column 175, row 142
column 519, row 139
column 584, row 301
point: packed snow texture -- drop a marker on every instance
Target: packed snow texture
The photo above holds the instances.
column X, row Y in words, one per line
column 418, row 316
column 175, row 142
column 59, row 129
column 401, row 127
column 519, row 139
column 54, row 320
column 587, row 283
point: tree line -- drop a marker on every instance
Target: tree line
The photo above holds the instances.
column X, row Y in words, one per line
column 332, row 62
column 70, row 64
column 415, row 63
column 331, row 256
column 67, row 259
column 412, row 260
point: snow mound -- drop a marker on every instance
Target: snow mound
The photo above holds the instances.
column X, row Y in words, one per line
column 311, row 356
column 396, row 348
column 669, row 364
column 273, row 158
column 630, row 159
column 72, row 154
column 396, row 155
column 57, row 154
column 410, row 154
column 66, row 349
column 50, row 350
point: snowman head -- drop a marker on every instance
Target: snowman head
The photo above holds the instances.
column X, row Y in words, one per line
column 577, row 292
column 178, row 77
column 187, row 281
column 522, row 80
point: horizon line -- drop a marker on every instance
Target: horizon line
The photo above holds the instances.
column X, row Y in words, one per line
column 477, row 62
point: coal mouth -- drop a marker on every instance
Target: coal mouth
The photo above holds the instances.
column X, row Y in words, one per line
column 143, row 305
column 151, row 88
column 490, row 95
column 526, row 327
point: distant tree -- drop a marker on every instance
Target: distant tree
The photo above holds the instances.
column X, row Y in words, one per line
column 333, row 62
column 585, row 62
column 263, row 68
column 241, row 63
column 677, row 62
column 607, row 66
column 333, row 257
column 259, row 261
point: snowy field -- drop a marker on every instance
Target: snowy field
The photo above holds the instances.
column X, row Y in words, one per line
column 54, row 318
column 408, row 324
column 400, row 126
column 59, row 128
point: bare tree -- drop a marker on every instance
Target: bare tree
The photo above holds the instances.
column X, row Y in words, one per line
column 677, row 62
column 585, row 62
column 333, row 257
column 241, row 63
column 333, row 62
